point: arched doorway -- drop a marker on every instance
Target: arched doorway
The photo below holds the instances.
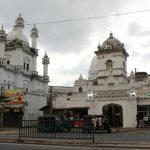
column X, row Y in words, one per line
column 113, row 113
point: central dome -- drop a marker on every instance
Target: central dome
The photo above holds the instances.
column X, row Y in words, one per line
column 112, row 43
column 13, row 35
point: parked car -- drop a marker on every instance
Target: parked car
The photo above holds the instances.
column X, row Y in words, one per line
column 91, row 123
column 52, row 123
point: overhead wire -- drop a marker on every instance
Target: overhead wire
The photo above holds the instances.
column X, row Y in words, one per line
column 85, row 18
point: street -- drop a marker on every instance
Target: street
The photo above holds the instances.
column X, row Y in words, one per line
column 13, row 146
column 135, row 138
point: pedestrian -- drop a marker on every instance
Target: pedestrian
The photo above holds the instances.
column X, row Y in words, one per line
column 100, row 122
column 140, row 119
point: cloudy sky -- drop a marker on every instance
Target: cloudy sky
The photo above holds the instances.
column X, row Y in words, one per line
column 71, row 45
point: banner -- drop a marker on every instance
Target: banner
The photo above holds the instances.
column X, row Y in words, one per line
column 13, row 96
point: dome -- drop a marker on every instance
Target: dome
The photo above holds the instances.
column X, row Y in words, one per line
column 112, row 43
column 93, row 68
column 20, row 36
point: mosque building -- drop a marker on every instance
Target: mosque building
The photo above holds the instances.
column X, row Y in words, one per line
column 23, row 91
column 108, row 91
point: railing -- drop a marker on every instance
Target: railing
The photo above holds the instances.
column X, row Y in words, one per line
column 54, row 129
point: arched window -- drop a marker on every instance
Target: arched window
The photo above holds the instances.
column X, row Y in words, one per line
column 26, row 84
column 80, row 89
column 109, row 65
column 26, row 64
column 8, row 61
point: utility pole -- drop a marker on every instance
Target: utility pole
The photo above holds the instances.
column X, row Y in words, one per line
column 50, row 101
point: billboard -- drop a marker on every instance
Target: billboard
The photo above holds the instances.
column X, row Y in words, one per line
column 13, row 97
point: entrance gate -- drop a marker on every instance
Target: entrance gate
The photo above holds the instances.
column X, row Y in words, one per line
column 114, row 115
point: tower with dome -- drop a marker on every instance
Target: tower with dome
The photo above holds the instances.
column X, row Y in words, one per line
column 109, row 90
column 18, row 69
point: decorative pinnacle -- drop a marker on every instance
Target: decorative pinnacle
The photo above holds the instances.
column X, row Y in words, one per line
column 19, row 15
column 111, row 35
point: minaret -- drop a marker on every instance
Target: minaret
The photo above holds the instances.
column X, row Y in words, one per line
column 132, row 78
column 2, row 42
column 34, row 36
column 19, row 24
column 2, row 54
column 45, row 62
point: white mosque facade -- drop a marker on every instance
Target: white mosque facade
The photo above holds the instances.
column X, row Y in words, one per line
column 18, row 70
column 108, row 90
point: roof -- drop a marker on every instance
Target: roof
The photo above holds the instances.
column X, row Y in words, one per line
column 44, row 108
column 80, row 107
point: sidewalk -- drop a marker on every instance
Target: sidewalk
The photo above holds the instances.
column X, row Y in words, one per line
column 114, row 130
column 9, row 131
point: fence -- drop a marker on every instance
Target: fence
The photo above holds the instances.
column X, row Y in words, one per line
column 54, row 129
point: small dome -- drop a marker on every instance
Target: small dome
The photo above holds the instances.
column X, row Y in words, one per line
column 93, row 68
column 80, row 78
column 112, row 43
column 34, row 32
column 132, row 75
column 14, row 35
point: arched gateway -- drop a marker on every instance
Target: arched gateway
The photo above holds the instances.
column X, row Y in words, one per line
column 113, row 113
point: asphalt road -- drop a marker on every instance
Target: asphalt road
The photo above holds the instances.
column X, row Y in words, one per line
column 13, row 146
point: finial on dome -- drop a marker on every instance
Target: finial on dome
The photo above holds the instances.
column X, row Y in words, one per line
column 19, row 15
column 111, row 34
column 2, row 30
column 99, row 46
column 80, row 78
column 45, row 54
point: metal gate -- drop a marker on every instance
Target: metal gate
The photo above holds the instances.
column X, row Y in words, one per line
column 54, row 129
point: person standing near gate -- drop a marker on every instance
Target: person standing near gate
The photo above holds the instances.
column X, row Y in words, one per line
column 100, row 122
column 140, row 119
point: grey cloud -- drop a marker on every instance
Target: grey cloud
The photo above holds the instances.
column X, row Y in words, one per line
column 63, row 37
column 137, row 30
column 145, row 58
column 81, row 68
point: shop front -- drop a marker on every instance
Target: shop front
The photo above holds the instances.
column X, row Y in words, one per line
column 12, row 108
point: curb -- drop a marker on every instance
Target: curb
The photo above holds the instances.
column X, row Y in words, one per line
column 143, row 145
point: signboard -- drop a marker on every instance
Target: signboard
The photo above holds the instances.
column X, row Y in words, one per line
column 13, row 97
column 112, row 94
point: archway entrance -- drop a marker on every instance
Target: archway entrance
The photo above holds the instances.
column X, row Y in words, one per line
column 113, row 113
